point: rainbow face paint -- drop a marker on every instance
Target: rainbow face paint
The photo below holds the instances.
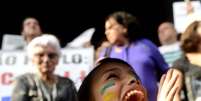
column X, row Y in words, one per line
column 107, row 85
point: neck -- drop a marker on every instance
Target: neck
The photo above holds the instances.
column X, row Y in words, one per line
column 48, row 78
column 123, row 42
column 194, row 58
column 118, row 48
column 28, row 40
column 170, row 42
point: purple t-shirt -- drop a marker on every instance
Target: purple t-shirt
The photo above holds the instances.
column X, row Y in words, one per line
column 145, row 58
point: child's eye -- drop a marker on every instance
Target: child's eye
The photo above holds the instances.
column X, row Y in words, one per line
column 112, row 76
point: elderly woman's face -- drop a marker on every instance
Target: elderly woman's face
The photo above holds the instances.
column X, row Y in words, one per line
column 117, row 84
column 45, row 58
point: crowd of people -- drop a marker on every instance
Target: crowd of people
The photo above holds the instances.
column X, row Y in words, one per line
column 128, row 67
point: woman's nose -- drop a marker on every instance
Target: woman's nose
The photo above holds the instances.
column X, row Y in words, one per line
column 106, row 32
column 46, row 58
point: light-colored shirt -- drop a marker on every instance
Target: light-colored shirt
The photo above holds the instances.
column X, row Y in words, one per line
column 171, row 52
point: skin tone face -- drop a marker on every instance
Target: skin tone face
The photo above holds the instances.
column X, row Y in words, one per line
column 199, row 33
column 31, row 28
column 199, row 29
column 115, row 32
column 194, row 58
column 45, row 59
column 167, row 33
column 117, row 84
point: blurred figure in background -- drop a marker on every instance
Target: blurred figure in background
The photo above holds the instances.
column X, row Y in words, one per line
column 170, row 47
column 43, row 84
column 190, row 63
column 30, row 29
column 127, row 43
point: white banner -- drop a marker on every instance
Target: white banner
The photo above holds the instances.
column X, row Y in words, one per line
column 181, row 18
column 74, row 63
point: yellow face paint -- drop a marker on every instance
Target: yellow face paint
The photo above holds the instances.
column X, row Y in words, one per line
column 109, row 96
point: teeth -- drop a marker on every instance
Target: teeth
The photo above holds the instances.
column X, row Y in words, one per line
column 132, row 92
column 128, row 95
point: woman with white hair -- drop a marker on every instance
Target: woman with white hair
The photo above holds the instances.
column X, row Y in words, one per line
column 43, row 85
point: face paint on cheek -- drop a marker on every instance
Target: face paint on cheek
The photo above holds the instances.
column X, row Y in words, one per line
column 107, row 85
column 109, row 96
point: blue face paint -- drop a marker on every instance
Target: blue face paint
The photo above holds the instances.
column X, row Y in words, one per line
column 107, row 85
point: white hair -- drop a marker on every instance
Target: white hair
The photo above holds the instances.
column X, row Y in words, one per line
column 44, row 40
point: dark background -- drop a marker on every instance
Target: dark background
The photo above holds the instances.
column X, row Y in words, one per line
column 68, row 19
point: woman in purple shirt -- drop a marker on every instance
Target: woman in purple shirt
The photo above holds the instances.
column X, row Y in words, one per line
column 124, row 35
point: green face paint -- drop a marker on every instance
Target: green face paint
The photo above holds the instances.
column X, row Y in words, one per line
column 107, row 85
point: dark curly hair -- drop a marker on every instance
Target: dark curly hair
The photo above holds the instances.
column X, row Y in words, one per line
column 130, row 22
column 190, row 39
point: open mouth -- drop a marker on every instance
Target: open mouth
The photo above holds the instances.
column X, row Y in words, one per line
column 134, row 95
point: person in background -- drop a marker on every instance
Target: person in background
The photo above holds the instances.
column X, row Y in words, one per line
column 115, row 80
column 124, row 34
column 42, row 84
column 170, row 46
column 189, row 65
column 30, row 29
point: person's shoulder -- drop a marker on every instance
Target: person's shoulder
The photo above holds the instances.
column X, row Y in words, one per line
column 181, row 64
column 145, row 41
column 65, row 80
column 24, row 79
column 145, row 44
column 24, row 76
column 181, row 61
